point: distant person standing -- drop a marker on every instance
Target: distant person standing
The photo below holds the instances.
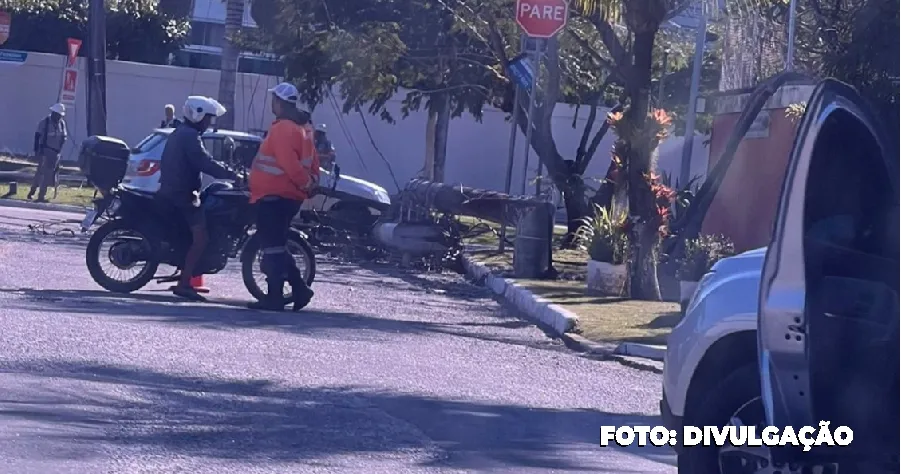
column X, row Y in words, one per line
column 324, row 147
column 170, row 121
column 49, row 139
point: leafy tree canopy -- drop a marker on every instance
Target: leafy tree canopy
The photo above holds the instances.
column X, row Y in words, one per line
column 136, row 30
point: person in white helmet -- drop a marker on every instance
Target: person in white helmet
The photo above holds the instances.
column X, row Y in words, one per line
column 49, row 139
column 183, row 161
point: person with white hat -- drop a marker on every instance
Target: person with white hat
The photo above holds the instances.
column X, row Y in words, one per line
column 283, row 174
column 49, row 139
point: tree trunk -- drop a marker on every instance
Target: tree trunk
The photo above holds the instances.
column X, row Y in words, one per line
column 234, row 18
column 442, row 125
column 644, row 238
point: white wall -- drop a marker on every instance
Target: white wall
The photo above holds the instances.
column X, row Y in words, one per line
column 136, row 94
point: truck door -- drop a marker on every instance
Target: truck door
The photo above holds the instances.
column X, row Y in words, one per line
column 828, row 303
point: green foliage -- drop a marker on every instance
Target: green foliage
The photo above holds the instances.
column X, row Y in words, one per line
column 604, row 235
column 701, row 254
column 794, row 112
column 136, row 30
column 855, row 41
column 372, row 49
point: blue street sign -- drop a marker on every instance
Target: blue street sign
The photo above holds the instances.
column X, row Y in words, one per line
column 522, row 71
column 8, row 56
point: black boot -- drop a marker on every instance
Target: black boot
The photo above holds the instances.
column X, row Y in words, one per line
column 301, row 293
column 274, row 300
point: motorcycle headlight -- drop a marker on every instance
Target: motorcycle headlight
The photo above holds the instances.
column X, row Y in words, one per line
column 382, row 196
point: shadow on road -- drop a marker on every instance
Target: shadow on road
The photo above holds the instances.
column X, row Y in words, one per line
column 259, row 420
column 232, row 315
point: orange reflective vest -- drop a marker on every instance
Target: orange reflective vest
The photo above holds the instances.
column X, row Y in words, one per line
column 286, row 164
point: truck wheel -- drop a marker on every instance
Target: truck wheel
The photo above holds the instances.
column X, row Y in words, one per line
column 735, row 396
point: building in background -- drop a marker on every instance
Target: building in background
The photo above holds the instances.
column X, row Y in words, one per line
column 203, row 48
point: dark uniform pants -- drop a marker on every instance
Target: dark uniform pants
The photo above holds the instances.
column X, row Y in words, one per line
column 46, row 174
column 274, row 216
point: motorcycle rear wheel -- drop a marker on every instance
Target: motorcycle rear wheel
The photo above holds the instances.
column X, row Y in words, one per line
column 93, row 257
column 250, row 265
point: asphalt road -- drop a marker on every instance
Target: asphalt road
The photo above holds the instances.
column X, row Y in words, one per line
column 385, row 372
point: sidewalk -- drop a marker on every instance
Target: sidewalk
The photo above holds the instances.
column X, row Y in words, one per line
column 607, row 327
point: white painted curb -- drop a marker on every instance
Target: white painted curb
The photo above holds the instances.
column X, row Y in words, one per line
column 551, row 315
column 644, row 351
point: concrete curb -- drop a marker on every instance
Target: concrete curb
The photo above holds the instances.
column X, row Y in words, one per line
column 558, row 319
column 41, row 206
column 643, row 351
column 561, row 321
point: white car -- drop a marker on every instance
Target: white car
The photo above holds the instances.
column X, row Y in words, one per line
column 351, row 193
column 811, row 331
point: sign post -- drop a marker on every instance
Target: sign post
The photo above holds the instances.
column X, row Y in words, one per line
column 540, row 20
column 69, row 90
column 5, row 23
column 521, row 72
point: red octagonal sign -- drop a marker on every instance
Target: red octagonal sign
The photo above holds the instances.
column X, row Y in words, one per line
column 542, row 18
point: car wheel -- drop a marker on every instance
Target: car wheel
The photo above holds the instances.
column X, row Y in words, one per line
column 733, row 400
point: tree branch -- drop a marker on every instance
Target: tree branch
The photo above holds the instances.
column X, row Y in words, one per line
column 589, row 124
column 619, row 52
column 612, row 68
column 596, row 141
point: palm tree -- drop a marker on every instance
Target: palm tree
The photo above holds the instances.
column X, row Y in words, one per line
column 234, row 19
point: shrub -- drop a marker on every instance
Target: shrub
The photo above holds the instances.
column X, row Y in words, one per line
column 604, row 236
column 700, row 255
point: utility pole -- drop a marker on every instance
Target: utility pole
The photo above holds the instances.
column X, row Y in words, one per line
column 700, row 43
column 96, row 110
column 790, row 50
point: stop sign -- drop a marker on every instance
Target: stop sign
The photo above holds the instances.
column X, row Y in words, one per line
column 542, row 18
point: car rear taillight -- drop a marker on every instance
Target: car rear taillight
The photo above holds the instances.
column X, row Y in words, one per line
column 148, row 167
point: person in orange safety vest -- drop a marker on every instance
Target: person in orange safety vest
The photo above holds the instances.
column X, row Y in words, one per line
column 283, row 174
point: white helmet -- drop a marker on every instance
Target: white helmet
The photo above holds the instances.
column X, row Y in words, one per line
column 58, row 108
column 198, row 106
column 321, row 128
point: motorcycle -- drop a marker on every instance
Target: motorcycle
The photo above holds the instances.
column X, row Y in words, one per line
column 142, row 232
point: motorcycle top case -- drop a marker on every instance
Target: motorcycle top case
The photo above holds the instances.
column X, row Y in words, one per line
column 103, row 160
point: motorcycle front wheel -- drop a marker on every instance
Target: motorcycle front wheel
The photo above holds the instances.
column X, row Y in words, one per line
column 252, row 273
column 128, row 250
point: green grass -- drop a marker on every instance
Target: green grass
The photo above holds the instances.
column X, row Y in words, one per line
column 22, row 165
column 601, row 319
column 67, row 194
column 610, row 319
